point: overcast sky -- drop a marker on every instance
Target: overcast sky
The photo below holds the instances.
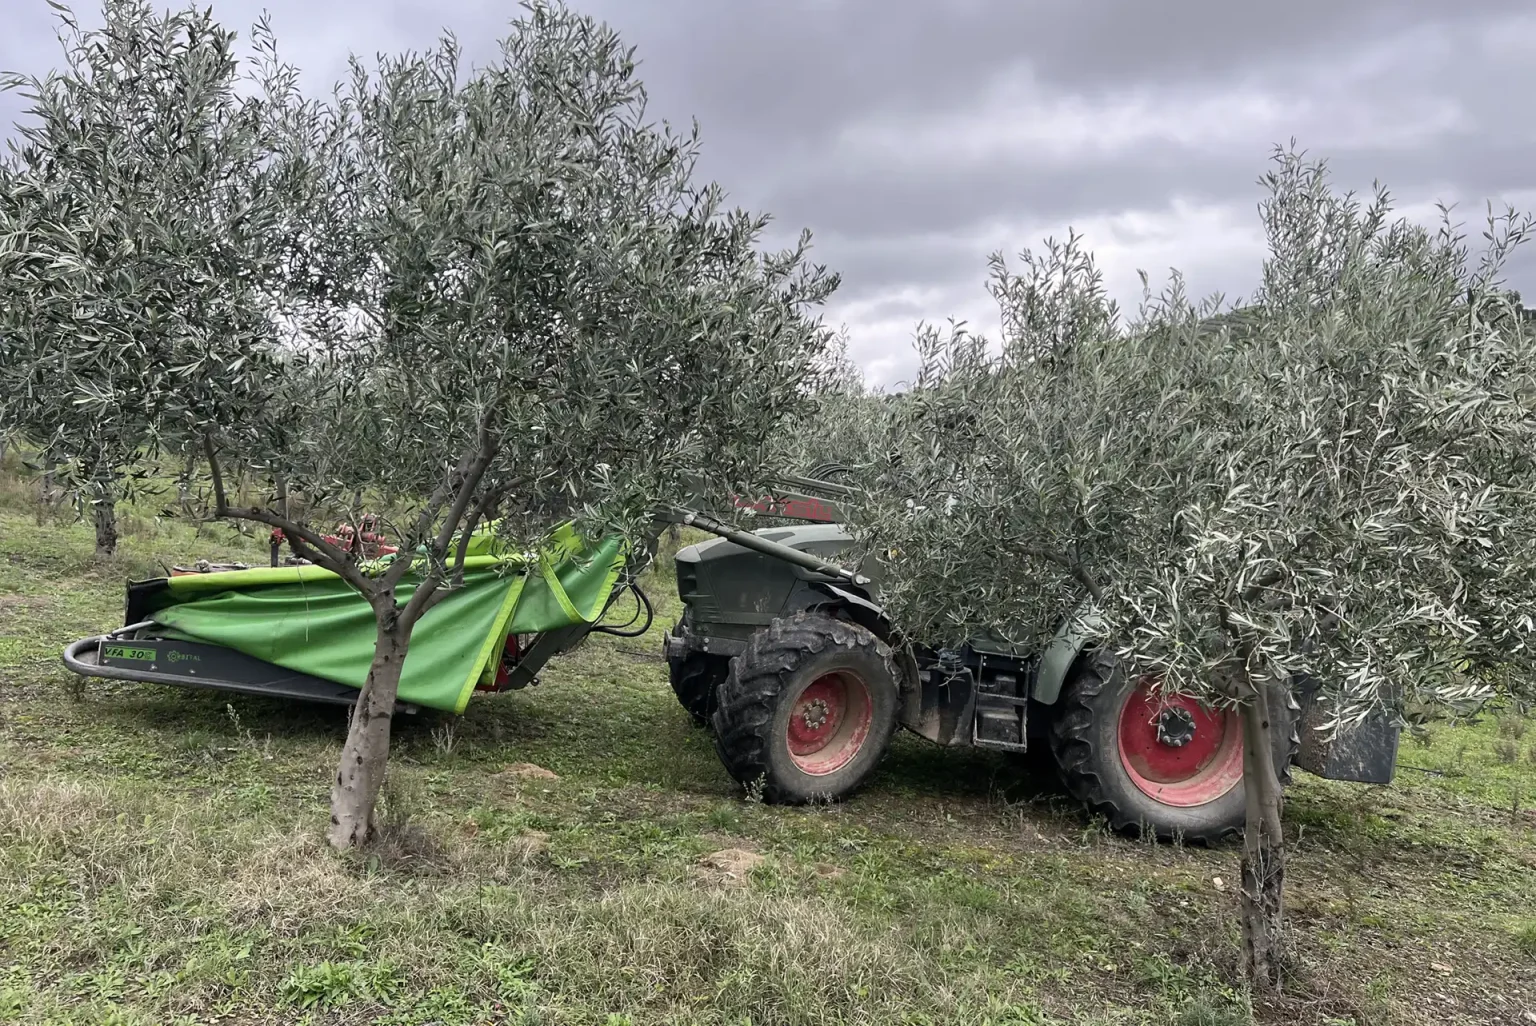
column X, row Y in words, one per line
column 914, row 137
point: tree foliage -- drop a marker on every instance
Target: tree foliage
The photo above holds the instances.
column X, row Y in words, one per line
column 844, row 423
column 129, row 218
column 473, row 296
column 1339, row 472
column 544, row 274
column 1337, row 479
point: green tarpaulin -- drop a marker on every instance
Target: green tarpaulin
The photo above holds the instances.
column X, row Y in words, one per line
column 309, row 620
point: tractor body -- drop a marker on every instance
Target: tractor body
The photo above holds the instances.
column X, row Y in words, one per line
column 787, row 655
column 977, row 696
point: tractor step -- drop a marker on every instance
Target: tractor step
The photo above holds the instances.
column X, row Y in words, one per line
column 1002, row 712
column 1000, row 723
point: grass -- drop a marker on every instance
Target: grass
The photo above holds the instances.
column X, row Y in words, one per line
column 161, row 861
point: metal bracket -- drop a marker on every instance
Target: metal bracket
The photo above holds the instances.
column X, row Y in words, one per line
column 525, row 672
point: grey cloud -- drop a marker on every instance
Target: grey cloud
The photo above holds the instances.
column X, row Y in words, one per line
column 906, row 202
column 923, row 205
column 780, row 86
column 798, row 67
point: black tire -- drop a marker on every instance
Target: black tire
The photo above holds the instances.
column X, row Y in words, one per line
column 695, row 679
column 1086, row 743
column 781, row 661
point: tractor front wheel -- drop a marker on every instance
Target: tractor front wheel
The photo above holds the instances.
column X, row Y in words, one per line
column 807, row 710
column 1163, row 764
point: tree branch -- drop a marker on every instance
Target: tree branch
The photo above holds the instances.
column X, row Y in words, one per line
column 1072, row 566
column 450, row 485
column 309, row 545
column 464, row 481
column 305, row 541
column 470, row 481
column 219, row 505
column 427, row 594
column 485, row 504
column 1255, row 590
column 406, row 557
column 401, row 565
column 434, row 588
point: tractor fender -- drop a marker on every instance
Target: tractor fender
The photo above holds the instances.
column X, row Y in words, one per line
column 1082, row 627
column 869, row 615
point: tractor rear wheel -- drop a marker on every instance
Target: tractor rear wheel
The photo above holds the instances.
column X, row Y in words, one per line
column 808, row 709
column 695, row 678
column 1163, row 764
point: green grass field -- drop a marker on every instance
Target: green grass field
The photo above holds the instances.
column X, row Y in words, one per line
column 161, row 861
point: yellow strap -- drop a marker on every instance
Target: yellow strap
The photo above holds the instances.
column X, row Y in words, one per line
column 547, row 568
column 488, row 658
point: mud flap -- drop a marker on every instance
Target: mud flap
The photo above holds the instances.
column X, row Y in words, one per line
column 1364, row 754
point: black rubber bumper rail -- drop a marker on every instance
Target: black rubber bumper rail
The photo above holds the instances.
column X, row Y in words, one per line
column 211, row 667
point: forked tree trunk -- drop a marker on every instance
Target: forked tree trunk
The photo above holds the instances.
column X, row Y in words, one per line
column 104, row 513
column 360, row 776
column 364, row 757
column 1263, row 867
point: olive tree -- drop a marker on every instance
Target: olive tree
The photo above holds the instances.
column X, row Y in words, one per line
column 127, row 210
column 532, row 312
column 10, row 409
column 1336, row 481
column 474, row 295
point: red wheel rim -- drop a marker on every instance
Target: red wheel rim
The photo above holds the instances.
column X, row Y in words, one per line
column 1176, row 750
column 828, row 722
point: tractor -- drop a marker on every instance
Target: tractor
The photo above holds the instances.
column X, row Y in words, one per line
column 788, row 657
column 782, row 650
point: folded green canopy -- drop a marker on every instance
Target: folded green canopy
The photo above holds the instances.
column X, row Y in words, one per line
column 308, row 619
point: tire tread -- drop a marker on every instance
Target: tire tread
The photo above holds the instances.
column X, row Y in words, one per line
column 743, row 717
column 1078, row 759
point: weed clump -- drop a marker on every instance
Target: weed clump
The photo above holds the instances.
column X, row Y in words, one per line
column 1513, row 726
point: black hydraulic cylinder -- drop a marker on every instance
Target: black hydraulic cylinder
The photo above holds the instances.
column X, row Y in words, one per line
column 748, row 540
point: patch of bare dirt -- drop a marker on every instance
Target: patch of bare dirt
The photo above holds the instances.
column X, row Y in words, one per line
column 529, row 771
column 729, row 867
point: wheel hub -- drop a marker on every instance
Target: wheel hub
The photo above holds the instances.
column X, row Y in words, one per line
column 1176, row 750
column 828, row 722
column 1176, row 727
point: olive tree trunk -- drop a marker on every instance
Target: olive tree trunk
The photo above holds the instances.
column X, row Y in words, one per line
column 184, row 484
column 364, row 756
column 48, row 490
column 104, row 514
column 1261, row 894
